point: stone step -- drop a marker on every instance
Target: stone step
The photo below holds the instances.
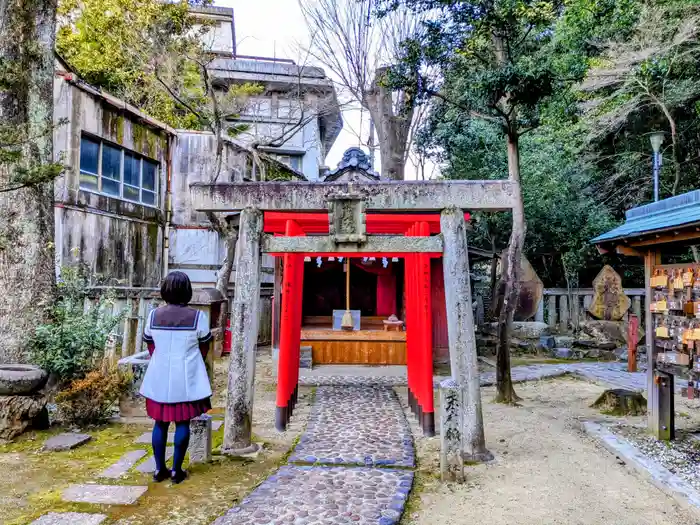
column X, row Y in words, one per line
column 103, row 494
column 123, row 465
column 66, row 441
column 149, row 465
column 69, row 518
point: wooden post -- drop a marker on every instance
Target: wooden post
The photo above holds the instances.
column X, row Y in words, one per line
column 244, row 337
column 552, row 310
column 460, row 326
column 632, row 338
column 539, row 315
column 650, row 260
column 411, row 336
column 666, row 419
column 564, row 312
column 637, row 306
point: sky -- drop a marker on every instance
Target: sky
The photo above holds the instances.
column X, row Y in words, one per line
column 276, row 28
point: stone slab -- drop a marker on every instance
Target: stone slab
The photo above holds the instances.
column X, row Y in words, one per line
column 216, row 424
column 123, row 465
column 69, row 518
column 328, row 495
column 145, row 438
column 149, row 465
column 103, row 494
column 676, row 487
column 67, row 441
column 200, row 439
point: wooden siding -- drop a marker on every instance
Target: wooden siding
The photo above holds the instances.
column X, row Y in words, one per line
column 365, row 347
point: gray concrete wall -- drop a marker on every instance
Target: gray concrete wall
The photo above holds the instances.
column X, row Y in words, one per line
column 120, row 241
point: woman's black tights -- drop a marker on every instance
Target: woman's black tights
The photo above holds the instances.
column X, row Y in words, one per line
column 160, row 443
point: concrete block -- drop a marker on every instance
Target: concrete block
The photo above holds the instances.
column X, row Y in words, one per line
column 200, row 440
column 451, row 458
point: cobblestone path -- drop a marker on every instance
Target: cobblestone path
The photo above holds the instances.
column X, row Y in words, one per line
column 356, row 426
column 348, row 427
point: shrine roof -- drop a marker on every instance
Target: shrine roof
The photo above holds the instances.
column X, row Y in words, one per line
column 675, row 212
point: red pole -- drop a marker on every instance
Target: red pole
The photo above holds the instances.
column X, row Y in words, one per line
column 426, row 370
column 632, row 332
column 289, row 333
column 410, row 330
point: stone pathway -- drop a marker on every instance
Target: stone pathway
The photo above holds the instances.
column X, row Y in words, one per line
column 347, row 426
column 356, row 426
column 611, row 374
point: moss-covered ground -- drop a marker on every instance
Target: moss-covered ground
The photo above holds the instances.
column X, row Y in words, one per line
column 32, row 480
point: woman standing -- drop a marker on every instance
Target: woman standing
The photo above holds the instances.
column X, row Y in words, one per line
column 176, row 385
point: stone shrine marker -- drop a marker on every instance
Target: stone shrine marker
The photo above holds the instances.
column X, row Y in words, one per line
column 610, row 302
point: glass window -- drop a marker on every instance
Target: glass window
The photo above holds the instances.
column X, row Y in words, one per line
column 149, row 175
column 120, row 173
column 89, row 163
column 111, row 169
column 296, row 162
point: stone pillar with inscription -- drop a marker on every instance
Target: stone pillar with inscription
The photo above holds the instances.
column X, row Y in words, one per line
column 244, row 337
column 460, row 328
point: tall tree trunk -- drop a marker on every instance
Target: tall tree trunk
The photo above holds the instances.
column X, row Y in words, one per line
column 27, row 265
column 511, row 277
column 392, row 127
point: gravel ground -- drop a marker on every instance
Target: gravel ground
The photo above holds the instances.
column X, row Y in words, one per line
column 682, row 456
column 546, row 471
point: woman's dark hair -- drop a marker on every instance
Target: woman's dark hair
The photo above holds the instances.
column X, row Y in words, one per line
column 176, row 289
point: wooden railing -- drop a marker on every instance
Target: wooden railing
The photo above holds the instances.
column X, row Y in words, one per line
column 136, row 303
column 564, row 308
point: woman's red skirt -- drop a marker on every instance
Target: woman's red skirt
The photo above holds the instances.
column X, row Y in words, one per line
column 176, row 412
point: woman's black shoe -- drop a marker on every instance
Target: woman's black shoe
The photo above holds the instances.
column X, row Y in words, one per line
column 160, row 475
column 178, row 477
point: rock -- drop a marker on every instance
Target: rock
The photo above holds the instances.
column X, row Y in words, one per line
column 18, row 380
column 563, row 341
column 18, row 413
column 524, row 330
column 547, row 342
column 621, row 402
column 609, row 302
column 621, row 353
column 604, row 331
column 563, row 353
column 66, row 441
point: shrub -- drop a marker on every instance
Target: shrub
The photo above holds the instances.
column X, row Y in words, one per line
column 72, row 344
column 92, row 399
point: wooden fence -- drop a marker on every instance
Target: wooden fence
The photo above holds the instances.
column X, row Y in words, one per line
column 136, row 303
column 561, row 307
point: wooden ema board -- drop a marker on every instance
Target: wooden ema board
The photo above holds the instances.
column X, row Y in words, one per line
column 373, row 346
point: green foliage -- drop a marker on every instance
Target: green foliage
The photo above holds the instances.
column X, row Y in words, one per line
column 72, row 344
column 149, row 53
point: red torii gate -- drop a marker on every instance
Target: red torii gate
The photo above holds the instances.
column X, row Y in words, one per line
column 419, row 344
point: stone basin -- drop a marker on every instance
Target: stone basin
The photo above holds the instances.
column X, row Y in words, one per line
column 21, row 380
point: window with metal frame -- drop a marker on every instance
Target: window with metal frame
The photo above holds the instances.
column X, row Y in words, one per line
column 117, row 172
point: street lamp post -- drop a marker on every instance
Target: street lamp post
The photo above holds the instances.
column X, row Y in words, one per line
column 656, row 139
